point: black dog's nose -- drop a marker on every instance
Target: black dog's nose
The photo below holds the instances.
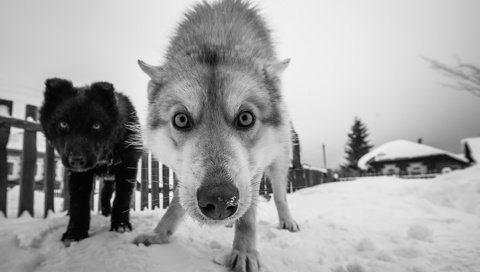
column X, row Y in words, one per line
column 218, row 202
column 77, row 161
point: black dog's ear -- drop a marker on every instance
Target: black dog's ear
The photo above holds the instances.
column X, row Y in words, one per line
column 56, row 88
column 58, row 83
column 103, row 92
column 103, row 86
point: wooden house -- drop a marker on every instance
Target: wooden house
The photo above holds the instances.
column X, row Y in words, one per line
column 402, row 157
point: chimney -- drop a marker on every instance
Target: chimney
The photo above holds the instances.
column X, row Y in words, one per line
column 419, row 140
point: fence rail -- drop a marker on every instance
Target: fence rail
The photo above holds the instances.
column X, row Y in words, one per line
column 155, row 181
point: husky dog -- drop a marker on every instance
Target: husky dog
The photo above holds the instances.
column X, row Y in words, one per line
column 216, row 117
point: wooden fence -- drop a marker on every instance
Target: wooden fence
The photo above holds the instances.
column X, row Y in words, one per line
column 155, row 182
column 429, row 175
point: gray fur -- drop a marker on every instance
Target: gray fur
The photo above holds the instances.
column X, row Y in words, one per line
column 220, row 63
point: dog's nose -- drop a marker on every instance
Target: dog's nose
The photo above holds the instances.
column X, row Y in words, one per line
column 218, row 202
column 77, row 161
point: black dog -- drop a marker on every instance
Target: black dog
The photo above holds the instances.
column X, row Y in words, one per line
column 96, row 132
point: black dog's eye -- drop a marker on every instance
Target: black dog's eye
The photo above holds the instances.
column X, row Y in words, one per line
column 62, row 125
column 245, row 119
column 96, row 126
column 181, row 121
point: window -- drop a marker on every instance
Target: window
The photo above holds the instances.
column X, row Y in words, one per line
column 417, row 170
column 391, row 172
column 10, row 168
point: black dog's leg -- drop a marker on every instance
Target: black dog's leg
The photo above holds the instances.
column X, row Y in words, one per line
column 125, row 176
column 80, row 190
column 107, row 191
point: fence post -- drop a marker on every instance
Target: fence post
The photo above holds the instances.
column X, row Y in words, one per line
column 144, row 182
column 29, row 161
column 291, row 180
column 5, row 110
column 49, row 178
column 165, row 186
column 329, row 176
column 296, row 160
column 155, row 184
column 262, row 190
column 175, row 181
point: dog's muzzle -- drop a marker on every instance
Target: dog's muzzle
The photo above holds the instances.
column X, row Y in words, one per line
column 219, row 201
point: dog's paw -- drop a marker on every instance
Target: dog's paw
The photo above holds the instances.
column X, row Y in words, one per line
column 289, row 225
column 242, row 261
column 121, row 227
column 72, row 235
column 106, row 211
column 153, row 238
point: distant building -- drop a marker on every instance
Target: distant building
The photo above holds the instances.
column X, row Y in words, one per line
column 402, row 157
column 471, row 149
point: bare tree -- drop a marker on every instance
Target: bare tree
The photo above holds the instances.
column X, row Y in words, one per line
column 466, row 76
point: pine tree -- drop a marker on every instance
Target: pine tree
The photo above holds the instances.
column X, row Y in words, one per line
column 357, row 145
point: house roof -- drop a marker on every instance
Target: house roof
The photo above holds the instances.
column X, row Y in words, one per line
column 403, row 149
column 310, row 167
column 474, row 146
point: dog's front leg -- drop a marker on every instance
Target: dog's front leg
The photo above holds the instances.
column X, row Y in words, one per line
column 125, row 174
column 244, row 256
column 106, row 195
column 278, row 175
column 81, row 185
column 167, row 225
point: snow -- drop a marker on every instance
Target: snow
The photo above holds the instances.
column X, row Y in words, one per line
column 4, row 111
column 367, row 225
column 402, row 149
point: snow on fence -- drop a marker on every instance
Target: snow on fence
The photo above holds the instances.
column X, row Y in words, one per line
column 155, row 181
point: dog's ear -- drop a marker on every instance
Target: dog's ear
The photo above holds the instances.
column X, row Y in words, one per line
column 53, row 86
column 103, row 92
column 156, row 73
column 103, row 88
column 274, row 69
column 56, row 91
column 57, row 88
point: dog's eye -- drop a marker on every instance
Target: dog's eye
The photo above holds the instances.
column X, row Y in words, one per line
column 62, row 125
column 96, row 126
column 245, row 120
column 181, row 121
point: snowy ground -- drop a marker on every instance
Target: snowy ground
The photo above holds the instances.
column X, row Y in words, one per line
column 372, row 224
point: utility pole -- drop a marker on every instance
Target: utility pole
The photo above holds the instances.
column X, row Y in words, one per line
column 324, row 157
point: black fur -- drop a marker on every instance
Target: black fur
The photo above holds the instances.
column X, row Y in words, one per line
column 93, row 128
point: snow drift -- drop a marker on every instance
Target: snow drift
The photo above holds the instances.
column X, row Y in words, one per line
column 371, row 224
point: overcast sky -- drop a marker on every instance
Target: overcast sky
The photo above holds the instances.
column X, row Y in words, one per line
column 348, row 58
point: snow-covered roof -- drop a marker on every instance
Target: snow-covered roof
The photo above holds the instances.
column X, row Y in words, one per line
column 403, row 149
column 474, row 146
column 310, row 167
